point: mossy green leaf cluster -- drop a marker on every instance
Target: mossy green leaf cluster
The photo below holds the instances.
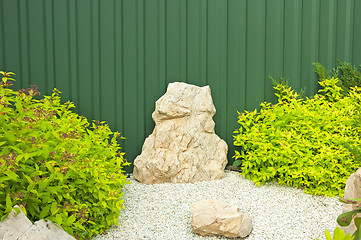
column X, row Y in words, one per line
column 298, row 142
column 349, row 75
column 56, row 165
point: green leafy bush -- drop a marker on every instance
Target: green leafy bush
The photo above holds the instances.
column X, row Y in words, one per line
column 297, row 141
column 349, row 75
column 56, row 165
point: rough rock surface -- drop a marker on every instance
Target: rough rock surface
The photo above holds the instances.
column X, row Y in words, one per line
column 217, row 218
column 352, row 190
column 183, row 146
column 20, row 228
column 12, row 227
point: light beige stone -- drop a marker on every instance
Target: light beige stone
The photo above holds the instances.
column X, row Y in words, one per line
column 45, row 230
column 13, row 226
column 183, row 146
column 352, row 190
column 217, row 218
column 19, row 227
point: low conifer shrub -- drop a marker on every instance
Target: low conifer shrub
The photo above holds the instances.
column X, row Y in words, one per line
column 349, row 75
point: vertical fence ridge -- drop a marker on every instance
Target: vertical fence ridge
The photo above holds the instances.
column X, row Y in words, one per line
column 18, row 40
column 356, row 33
column 76, row 23
column 68, row 35
column 184, row 73
column 53, row 43
column 122, row 63
column 227, row 133
column 137, row 76
column 140, row 75
column 265, row 89
column 99, row 64
column 144, row 75
column 114, row 91
column 207, row 42
column 245, row 57
column 29, row 79
column 46, row 67
column 2, row 36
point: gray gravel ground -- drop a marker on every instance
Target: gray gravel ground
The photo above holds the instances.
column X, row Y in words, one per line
column 162, row 211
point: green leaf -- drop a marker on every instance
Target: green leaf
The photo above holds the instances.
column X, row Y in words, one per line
column 237, row 163
column 78, row 225
column 23, row 209
column 42, row 185
column 44, row 212
column 70, row 220
column 49, row 166
column 46, row 198
column 338, row 234
column 17, row 210
column 328, row 235
column 10, row 137
column 345, row 219
column 54, row 208
column 58, row 219
column 8, row 204
column 28, row 179
column 12, row 175
column 350, row 200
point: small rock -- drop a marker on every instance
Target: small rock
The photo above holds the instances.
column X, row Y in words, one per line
column 14, row 226
column 20, row 228
column 217, row 218
column 46, row 230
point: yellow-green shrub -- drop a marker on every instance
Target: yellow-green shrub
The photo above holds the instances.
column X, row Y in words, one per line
column 298, row 141
column 57, row 166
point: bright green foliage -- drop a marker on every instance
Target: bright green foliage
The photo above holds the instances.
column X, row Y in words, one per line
column 56, row 165
column 297, row 141
column 338, row 234
column 283, row 91
column 349, row 75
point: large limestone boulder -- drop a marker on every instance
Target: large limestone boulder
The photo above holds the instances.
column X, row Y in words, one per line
column 19, row 227
column 217, row 218
column 352, row 190
column 183, row 146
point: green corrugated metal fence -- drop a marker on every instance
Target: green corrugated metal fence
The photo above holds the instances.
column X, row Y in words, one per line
column 114, row 58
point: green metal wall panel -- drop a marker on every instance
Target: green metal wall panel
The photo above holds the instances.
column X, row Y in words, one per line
column 327, row 31
column 293, row 42
column 356, row 46
column 274, row 43
column 115, row 58
column 310, row 42
column 255, row 53
column 196, row 42
column 236, row 66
